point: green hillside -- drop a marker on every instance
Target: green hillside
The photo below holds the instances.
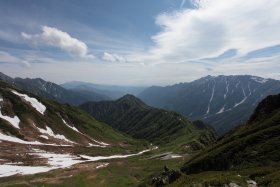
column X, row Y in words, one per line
column 130, row 115
column 251, row 150
column 31, row 120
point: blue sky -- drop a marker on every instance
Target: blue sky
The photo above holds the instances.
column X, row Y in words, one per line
column 132, row 42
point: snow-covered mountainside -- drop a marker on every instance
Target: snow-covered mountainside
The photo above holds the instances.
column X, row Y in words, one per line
column 38, row 135
column 222, row 101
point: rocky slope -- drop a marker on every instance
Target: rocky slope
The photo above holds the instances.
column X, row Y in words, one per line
column 222, row 101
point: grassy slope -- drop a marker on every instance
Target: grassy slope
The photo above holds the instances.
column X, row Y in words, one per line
column 130, row 172
column 167, row 129
column 83, row 121
column 250, row 150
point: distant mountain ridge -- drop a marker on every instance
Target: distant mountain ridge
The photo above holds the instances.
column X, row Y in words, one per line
column 132, row 116
column 53, row 91
column 112, row 91
column 222, row 101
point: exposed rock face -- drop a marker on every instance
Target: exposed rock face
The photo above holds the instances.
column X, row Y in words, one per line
column 167, row 177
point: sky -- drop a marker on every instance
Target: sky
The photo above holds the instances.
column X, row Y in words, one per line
column 140, row 43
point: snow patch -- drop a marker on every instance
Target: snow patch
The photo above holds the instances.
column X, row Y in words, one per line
column 9, row 170
column 56, row 161
column 259, row 80
column 49, row 132
column 221, row 110
column 227, row 85
column 102, row 165
column 242, row 101
column 102, row 144
column 12, row 120
column 45, row 137
column 33, row 101
column 17, row 140
column 212, row 95
column 74, row 128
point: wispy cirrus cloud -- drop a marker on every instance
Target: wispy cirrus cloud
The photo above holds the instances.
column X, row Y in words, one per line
column 212, row 28
column 112, row 57
column 6, row 57
column 54, row 37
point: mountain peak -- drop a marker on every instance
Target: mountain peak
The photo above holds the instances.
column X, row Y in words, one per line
column 131, row 100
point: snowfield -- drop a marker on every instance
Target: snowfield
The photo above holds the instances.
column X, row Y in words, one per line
column 56, row 161
column 33, row 101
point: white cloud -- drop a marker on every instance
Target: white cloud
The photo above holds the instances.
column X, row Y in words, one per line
column 214, row 27
column 54, row 37
column 113, row 57
column 8, row 58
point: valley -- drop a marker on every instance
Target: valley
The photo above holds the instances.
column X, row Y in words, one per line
column 125, row 142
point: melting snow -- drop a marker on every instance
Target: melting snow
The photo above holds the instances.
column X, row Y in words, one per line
column 56, row 161
column 213, row 90
column 51, row 133
column 74, row 128
column 242, row 101
column 259, row 79
column 8, row 170
column 12, row 120
column 225, row 95
column 102, row 144
column 102, row 165
column 221, row 110
column 45, row 137
column 34, row 102
column 17, row 140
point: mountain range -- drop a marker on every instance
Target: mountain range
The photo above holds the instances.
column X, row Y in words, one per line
column 132, row 116
column 53, row 91
column 112, row 91
column 221, row 101
column 39, row 134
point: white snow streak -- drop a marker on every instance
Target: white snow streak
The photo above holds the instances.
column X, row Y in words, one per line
column 242, row 101
column 17, row 140
column 33, row 101
column 49, row 132
column 212, row 95
column 102, row 144
column 74, row 128
column 221, row 110
column 225, row 95
column 12, row 120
